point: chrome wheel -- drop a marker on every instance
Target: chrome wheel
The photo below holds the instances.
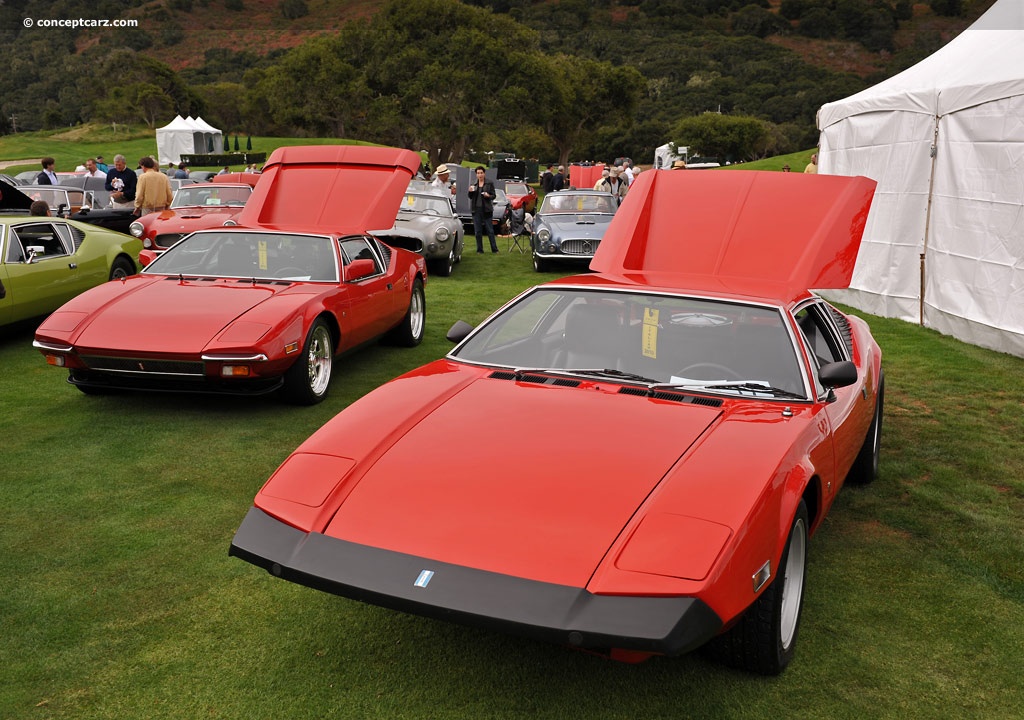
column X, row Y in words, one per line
column 417, row 315
column 318, row 360
column 793, row 584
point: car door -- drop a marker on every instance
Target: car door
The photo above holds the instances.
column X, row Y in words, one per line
column 41, row 271
column 370, row 299
column 849, row 414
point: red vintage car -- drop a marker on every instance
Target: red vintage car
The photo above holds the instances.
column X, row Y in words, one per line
column 685, row 417
column 521, row 195
column 263, row 307
column 196, row 206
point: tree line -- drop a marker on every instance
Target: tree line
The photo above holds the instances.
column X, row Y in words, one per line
column 576, row 79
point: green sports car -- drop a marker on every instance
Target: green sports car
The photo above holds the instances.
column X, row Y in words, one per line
column 46, row 261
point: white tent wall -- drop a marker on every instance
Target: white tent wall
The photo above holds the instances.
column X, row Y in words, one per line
column 945, row 142
column 974, row 286
column 173, row 140
column 887, row 148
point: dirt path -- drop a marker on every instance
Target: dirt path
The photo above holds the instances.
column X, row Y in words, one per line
column 9, row 163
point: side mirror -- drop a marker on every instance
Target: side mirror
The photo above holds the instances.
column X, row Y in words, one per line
column 146, row 257
column 358, row 269
column 838, row 374
column 459, row 331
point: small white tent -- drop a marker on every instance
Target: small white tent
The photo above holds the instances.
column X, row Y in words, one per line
column 944, row 243
column 186, row 136
column 174, row 139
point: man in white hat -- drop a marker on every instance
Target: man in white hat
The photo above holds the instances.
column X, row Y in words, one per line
column 442, row 180
column 614, row 184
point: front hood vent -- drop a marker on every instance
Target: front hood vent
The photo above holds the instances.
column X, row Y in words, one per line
column 531, row 378
column 671, row 396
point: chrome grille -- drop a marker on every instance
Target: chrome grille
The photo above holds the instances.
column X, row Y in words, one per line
column 580, row 246
column 144, row 366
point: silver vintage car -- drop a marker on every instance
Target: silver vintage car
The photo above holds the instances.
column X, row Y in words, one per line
column 569, row 226
column 426, row 224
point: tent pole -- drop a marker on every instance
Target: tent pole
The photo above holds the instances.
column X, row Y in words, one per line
column 934, row 151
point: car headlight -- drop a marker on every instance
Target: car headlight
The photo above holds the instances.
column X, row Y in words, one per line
column 442, row 234
column 136, row 229
column 544, row 235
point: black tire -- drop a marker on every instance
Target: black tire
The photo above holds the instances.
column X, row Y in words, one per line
column 121, row 268
column 443, row 267
column 865, row 467
column 539, row 264
column 409, row 332
column 763, row 640
column 306, row 382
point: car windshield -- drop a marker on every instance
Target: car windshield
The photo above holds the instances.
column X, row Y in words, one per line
column 258, row 255
column 55, row 197
column 658, row 340
column 516, row 189
column 568, row 203
column 426, row 205
column 209, row 195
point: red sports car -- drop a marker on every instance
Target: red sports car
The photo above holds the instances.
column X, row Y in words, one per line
column 268, row 306
column 196, row 206
column 693, row 410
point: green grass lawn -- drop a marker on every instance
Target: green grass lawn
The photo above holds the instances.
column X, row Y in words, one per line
column 119, row 599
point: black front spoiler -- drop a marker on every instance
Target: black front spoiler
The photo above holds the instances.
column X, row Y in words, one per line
column 95, row 380
column 555, row 613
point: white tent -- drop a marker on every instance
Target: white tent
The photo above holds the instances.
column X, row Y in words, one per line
column 186, row 136
column 944, row 243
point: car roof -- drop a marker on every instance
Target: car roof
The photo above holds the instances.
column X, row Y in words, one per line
column 338, row 189
column 762, row 234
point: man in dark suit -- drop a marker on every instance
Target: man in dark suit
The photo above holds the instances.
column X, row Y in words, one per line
column 47, row 176
column 558, row 182
column 481, row 199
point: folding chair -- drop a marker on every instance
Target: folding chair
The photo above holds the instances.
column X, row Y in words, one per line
column 519, row 229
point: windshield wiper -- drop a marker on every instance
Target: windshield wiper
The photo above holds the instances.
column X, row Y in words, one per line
column 607, row 372
column 748, row 385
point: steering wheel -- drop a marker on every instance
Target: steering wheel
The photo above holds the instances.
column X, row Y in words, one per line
column 290, row 272
column 430, row 211
column 729, row 373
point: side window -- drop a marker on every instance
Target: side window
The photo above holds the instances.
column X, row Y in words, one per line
column 70, row 236
column 819, row 335
column 359, row 248
column 45, row 237
column 12, row 247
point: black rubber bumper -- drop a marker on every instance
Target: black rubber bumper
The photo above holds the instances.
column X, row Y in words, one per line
column 556, row 613
column 161, row 384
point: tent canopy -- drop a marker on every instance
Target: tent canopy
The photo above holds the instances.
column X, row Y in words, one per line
column 944, row 244
column 186, row 136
